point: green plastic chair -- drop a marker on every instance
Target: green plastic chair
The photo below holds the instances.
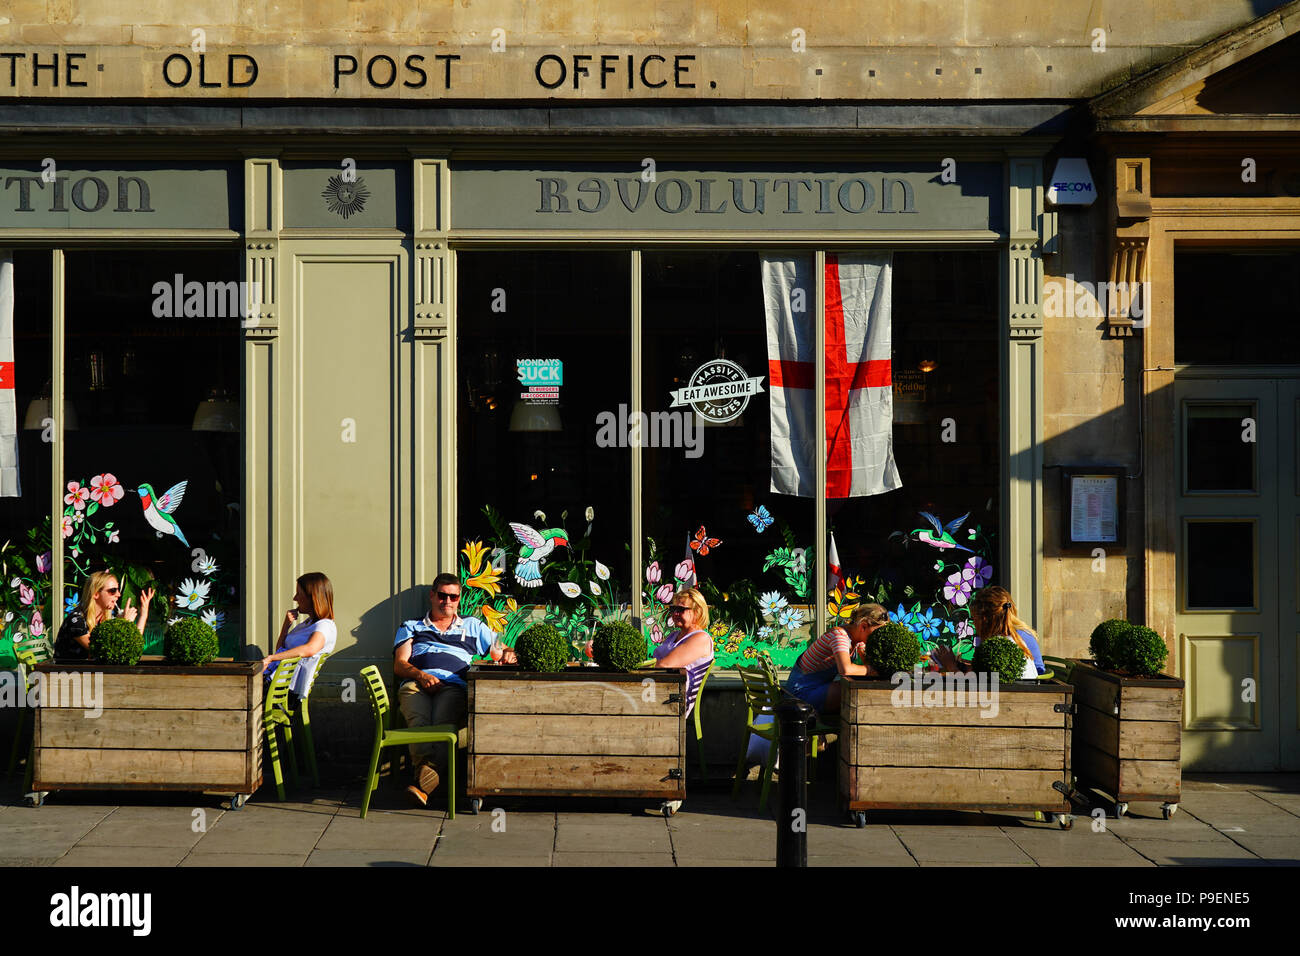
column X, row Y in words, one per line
column 761, row 697
column 1058, row 663
column 819, row 728
column 30, row 652
column 403, row 737
column 305, row 718
column 276, row 717
column 699, row 731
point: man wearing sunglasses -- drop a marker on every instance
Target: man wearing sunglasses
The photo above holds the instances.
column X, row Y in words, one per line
column 430, row 658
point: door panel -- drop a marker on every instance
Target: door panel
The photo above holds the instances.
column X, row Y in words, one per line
column 1288, row 569
column 1228, row 561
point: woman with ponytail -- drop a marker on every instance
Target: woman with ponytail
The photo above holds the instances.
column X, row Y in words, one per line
column 994, row 615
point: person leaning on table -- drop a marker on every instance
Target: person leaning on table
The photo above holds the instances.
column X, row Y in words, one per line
column 430, row 658
column 994, row 615
column 812, row 679
column 99, row 597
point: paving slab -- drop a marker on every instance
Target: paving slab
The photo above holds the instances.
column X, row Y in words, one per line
column 27, row 860
column 1279, row 849
column 611, row 859
column 123, row 856
column 151, row 827
column 611, row 839
column 258, row 830
column 871, row 846
column 1183, row 826
column 1077, row 847
column 367, row 857
column 203, row 858
column 380, row 831
column 757, row 864
column 1287, row 801
column 1222, row 852
column 502, row 861
column 991, row 846
column 510, row 843
column 511, row 820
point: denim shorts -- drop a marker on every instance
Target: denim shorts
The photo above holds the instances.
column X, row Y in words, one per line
column 811, row 688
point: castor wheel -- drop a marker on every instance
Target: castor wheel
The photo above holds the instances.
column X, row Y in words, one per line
column 35, row 799
column 1168, row 809
column 669, row 807
column 1038, row 817
column 237, row 801
column 1120, row 809
column 1065, row 821
column 859, row 818
column 475, row 805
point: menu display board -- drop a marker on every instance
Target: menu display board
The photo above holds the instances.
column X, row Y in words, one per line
column 1093, row 508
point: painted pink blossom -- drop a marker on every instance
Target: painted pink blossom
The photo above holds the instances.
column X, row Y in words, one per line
column 26, row 594
column 685, row 571
column 957, row 590
column 664, row 594
column 67, row 525
column 37, row 626
column 656, row 634
column 77, row 496
column 43, row 563
column 112, row 537
column 652, row 573
column 105, row 489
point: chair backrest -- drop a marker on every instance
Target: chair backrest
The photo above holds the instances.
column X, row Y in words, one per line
column 761, row 694
column 321, row 658
column 379, row 705
column 277, row 695
column 769, row 667
column 34, row 650
column 699, row 696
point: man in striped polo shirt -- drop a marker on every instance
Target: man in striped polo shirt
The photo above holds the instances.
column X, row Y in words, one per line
column 430, row 658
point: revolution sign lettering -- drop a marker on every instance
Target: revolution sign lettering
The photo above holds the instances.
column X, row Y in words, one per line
column 898, row 196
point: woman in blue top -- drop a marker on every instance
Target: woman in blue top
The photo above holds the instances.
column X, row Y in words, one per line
column 994, row 615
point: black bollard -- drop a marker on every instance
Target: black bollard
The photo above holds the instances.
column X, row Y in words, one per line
column 792, row 816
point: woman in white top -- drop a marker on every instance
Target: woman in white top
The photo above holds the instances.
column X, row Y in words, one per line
column 307, row 631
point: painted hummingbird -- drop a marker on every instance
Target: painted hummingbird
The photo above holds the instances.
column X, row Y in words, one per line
column 535, row 547
column 941, row 535
column 158, row 509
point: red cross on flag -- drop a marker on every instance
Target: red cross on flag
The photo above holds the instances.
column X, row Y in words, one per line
column 8, row 397
column 859, row 393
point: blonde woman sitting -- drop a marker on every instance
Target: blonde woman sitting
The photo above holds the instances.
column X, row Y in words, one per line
column 99, row 597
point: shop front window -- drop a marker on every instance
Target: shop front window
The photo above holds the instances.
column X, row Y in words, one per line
column 724, row 420
column 27, row 431
column 152, row 468
column 544, row 479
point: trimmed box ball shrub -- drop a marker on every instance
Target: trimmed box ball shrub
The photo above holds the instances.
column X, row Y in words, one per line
column 116, row 641
column 190, row 641
column 1141, row 652
column 542, row 648
column 1000, row 655
column 1104, row 643
column 618, row 646
column 893, row 648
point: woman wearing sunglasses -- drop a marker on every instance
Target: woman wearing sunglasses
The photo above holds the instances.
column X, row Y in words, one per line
column 99, row 597
column 688, row 648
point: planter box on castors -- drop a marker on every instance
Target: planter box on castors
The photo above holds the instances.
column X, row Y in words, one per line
column 1011, row 754
column 1128, row 736
column 577, row 732
column 162, row 727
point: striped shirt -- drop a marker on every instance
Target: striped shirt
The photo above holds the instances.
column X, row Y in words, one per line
column 821, row 653
column 695, row 670
column 445, row 654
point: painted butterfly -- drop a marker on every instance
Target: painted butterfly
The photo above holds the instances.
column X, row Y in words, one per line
column 702, row 543
column 761, row 519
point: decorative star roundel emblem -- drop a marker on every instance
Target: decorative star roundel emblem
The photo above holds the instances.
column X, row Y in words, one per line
column 344, row 198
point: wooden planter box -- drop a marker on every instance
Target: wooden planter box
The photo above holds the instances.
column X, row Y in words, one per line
column 952, row 758
column 580, row 732
column 162, row 728
column 1128, row 736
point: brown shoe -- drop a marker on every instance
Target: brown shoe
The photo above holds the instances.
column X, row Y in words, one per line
column 426, row 778
column 421, row 797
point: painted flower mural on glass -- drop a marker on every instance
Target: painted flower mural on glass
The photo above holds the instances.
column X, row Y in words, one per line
column 652, row 573
column 77, row 496
column 193, row 594
column 791, row 618
column 772, row 603
column 106, row 490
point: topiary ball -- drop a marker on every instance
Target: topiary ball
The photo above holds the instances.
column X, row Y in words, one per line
column 1141, row 652
column 1105, row 640
column 618, row 646
column 116, row 641
column 190, row 641
column 542, row 648
column 893, row 648
column 1001, row 656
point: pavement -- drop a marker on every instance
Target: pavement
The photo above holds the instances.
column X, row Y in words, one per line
column 1223, row 820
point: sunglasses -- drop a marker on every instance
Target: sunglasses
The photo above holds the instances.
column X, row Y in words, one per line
column 443, row 595
column 678, row 609
column 112, row 590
